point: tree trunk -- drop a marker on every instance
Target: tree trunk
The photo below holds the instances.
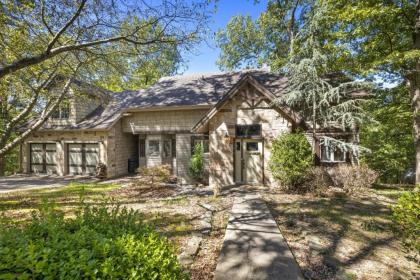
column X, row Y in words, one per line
column 414, row 80
column 416, row 124
column 2, row 167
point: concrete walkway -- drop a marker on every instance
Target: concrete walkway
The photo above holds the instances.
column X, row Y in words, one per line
column 27, row 182
column 253, row 247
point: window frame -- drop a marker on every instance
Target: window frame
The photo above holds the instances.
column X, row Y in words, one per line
column 246, row 128
column 200, row 139
column 62, row 112
column 331, row 152
column 155, row 153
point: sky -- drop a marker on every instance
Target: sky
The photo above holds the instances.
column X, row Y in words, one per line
column 204, row 58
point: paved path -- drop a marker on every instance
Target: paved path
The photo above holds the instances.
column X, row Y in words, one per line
column 253, row 247
column 23, row 182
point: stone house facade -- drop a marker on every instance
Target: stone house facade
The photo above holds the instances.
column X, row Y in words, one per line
column 231, row 114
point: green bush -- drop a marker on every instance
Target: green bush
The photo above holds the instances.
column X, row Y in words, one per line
column 98, row 243
column 197, row 163
column 291, row 159
column 406, row 215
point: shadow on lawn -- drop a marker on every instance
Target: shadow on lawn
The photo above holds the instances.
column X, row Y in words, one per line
column 334, row 219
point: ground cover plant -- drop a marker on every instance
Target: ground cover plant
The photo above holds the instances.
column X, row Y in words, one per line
column 171, row 211
column 99, row 242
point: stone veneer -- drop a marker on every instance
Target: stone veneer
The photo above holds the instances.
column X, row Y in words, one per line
column 119, row 143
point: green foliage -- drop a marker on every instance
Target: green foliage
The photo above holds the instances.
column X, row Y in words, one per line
column 197, row 163
column 406, row 215
column 391, row 139
column 248, row 43
column 291, row 159
column 99, row 243
column 12, row 162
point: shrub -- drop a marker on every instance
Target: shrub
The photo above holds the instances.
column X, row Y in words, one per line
column 291, row 159
column 99, row 243
column 406, row 214
column 156, row 174
column 316, row 181
column 353, row 178
column 197, row 163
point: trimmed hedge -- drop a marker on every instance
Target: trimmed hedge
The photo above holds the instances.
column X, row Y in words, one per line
column 98, row 243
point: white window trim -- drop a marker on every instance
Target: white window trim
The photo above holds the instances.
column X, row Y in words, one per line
column 331, row 152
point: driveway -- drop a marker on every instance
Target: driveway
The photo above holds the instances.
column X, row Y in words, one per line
column 24, row 182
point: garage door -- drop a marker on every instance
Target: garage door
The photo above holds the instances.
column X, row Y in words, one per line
column 43, row 158
column 83, row 158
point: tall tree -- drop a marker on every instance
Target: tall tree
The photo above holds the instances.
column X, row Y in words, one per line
column 379, row 38
column 245, row 43
column 367, row 38
column 324, row 100
column 391, row 138
column 42, row 40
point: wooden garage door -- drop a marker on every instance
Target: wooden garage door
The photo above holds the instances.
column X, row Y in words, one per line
column 43, row 158
column 83, row 158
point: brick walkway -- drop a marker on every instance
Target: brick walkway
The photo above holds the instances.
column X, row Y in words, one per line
column 253, row 247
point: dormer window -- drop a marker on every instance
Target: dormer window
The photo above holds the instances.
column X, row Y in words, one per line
column 62, row 112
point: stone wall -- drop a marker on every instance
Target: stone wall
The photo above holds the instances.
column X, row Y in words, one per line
column 183, row 156
column 240, row 110
column 121, row 147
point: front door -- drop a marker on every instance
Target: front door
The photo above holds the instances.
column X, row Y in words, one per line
column 248, row 161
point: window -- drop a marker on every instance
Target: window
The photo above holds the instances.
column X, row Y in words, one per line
column 62, row 112
column 173, row 142
column 142, row 147
column 166, row 148
column 203, row 140
column 249, row 130
column 332, row 154
column 154, row 148
column 252, row 146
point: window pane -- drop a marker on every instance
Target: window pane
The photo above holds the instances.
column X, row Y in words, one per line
column 338, row 155
column 325, row 153
column 36, row 157
column 248, row 130
column 174, row 148
column 205, row 144
column 92, row 159
column 166, row 148
column 252, row 146
column 142, row 148
column 154, row 148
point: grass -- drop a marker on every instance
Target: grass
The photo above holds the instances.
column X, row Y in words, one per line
column 65, row 196
column 343, row 236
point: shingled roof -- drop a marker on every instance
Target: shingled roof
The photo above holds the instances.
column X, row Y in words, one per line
column 175, row 91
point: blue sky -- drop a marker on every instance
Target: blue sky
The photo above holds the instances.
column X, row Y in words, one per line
column 204, row 58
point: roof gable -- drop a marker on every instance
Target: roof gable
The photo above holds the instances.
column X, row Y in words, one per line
column 269, row 96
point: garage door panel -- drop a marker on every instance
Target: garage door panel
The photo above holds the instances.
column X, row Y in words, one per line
column 37, row 168
column 83, row 158
column 43, row 158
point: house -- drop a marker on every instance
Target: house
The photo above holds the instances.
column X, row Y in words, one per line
column 231, row 114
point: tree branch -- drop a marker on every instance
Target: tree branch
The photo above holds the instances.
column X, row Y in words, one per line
column 67, row 25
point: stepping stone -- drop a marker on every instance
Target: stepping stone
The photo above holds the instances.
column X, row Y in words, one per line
column 253, row 247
